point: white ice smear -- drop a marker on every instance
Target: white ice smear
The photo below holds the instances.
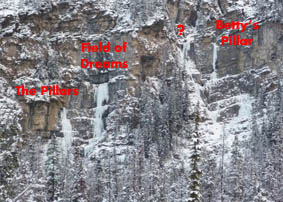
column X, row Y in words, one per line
column 67, row 131
column 214, row 128
column 238, row 125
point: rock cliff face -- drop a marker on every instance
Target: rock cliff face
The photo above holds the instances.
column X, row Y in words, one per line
column 127, row 135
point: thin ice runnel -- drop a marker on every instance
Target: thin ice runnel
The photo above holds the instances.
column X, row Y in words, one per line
column 190, row 68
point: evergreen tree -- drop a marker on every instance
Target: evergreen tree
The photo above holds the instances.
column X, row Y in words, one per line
column 235, row 176
column 54, row 178
column 208, row 181
column 79, row 189
column 270, row 174
column 178, row 190
column 196, row 173
column 262, row 196
column 95, row 180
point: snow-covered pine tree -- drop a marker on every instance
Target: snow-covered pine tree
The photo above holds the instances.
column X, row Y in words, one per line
column 270, row 174
column 208, row 181
column 262, row 196
column 277, row 154
column 141, row 177
column 67, row 174
column 79, row 189
column 127, row 193
column 96, row 185
column 54, row 179
column 195, row 175
column 235, row 175
column 178, row 180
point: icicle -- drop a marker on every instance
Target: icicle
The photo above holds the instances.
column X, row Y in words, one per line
column 214, row 60
column 67, row 131
column 101, row 96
